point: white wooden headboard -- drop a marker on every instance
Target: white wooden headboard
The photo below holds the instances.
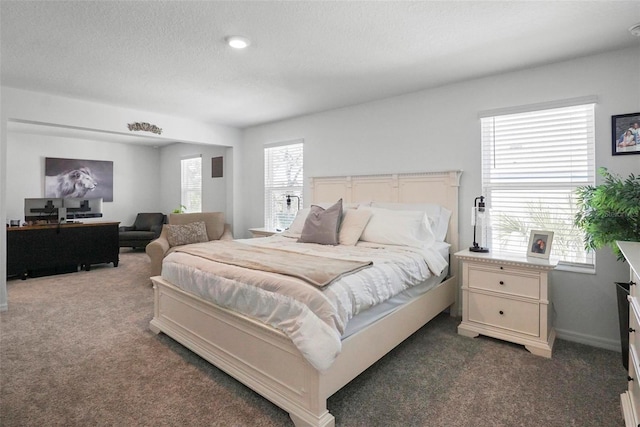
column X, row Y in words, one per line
column 425, row 187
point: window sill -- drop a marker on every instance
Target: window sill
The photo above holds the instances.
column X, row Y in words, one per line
column 572, row 268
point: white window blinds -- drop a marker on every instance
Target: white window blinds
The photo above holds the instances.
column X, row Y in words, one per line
column 283, row 175
column 532, row 163
column 191, row 184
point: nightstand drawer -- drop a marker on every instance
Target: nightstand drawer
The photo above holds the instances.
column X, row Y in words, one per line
column 633, row 290
column 517, row 316
column 508, row 281
column 634, row 384
column 634, row 323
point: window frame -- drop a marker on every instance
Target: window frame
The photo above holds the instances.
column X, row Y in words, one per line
column 491, row 186
column 277, row 215
column 186, row 203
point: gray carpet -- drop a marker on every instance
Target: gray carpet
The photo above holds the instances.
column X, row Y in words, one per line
column 75, row 350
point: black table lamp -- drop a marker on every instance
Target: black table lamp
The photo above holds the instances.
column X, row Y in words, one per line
column 478, row 213
column 289, row 201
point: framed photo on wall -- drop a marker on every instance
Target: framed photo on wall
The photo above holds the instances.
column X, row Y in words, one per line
column 625, row 134
column 540, row 244
column 77, row 178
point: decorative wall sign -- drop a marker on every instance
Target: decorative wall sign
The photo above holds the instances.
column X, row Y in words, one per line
column 74, row 178
column 625, row 134
column 146, row 127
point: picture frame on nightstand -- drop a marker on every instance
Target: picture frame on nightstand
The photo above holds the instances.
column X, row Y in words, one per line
column 540, row 244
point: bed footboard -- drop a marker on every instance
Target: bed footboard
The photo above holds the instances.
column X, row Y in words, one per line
column 260, row 357
column 265, row 360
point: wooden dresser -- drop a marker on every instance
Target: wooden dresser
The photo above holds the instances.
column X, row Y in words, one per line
column 631, row 398
column 60, row 248
column 507, row 297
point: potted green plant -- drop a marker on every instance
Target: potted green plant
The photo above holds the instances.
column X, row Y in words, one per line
column 607, row 213
column 180, row 209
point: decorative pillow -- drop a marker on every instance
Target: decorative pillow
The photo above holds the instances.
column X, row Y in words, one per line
column 195, row 232
column 322, row 225
column 353, row 223
column 405, row 228
column 438, row 215
column 213, row 221
column 298, row 222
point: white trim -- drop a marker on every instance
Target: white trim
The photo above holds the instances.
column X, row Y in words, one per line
column 591, row 99
column 282, row 143
column 575, row 267
column 590, row 340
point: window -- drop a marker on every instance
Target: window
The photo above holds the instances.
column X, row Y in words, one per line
column 282, row 176
column 532, row 162
column 191, row 184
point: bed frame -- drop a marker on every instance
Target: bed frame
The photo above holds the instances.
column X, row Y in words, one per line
column 264, row 359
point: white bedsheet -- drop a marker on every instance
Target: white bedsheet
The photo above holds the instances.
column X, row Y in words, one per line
column 315, row 332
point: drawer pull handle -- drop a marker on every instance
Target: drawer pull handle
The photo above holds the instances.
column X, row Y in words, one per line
column 501, row 312
column 501, row 268
column 629, row 379
column 632, row 283
column 631, row 330
column 501, row 282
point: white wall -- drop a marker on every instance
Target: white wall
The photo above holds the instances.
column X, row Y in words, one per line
column 62, row 111
column 136, row 175
column 214, row 190
column 439, row 129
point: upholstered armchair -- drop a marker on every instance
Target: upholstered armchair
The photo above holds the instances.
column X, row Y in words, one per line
column 216, row 229
column 146, row 227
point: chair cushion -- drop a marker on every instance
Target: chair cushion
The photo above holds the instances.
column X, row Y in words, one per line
column 137, row 235
column 145, row 221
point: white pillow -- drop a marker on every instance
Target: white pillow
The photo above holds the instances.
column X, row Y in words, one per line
column 353, row 224
column 298, row 222
column 438, row 215
column 393, row 227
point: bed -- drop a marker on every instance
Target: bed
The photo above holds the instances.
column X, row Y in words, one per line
column 266, row 359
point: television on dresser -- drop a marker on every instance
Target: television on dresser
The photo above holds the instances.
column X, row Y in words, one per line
column 78, row 208
column 42, row 209
column 55, row 210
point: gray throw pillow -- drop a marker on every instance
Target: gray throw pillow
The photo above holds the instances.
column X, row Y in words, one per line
column 322, row 225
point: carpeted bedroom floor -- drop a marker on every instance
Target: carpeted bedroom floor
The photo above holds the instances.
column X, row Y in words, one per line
column 76, row 350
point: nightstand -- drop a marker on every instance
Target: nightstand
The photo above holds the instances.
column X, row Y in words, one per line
column 262, row 232
column 507, row 297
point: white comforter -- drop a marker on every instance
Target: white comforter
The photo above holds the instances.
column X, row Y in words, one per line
column 314, row 319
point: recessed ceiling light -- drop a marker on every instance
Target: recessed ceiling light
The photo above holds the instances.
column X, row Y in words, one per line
column 635, row 30
column 238, row 42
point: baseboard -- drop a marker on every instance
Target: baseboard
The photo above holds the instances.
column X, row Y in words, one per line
column 4, row 307
column 591, row 340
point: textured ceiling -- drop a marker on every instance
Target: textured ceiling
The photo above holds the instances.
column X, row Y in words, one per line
column 305, row 57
